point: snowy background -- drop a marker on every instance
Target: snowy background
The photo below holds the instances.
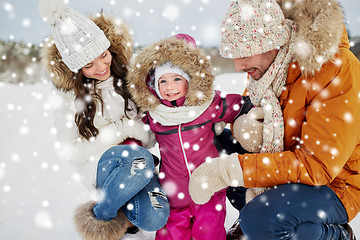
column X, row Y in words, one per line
column 150, row 20
column 39, row 192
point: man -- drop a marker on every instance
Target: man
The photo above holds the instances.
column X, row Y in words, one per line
column 307, row 83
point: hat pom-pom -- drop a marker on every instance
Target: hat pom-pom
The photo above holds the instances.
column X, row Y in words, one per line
column 187, row 38
column 49, row 9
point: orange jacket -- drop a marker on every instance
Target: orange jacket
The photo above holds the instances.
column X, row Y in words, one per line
column 322, row 132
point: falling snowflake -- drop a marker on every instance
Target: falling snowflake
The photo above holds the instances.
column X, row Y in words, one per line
column 246, row 12
column 171, row 12
column 45, row 203
column 181, row 195
column 281, row 216
column 196, row 147
column 8, row 7
column 125, row 154
column 43, row 220
column 204, row 185
column 6, row 188
column 24, row 130
column 321, row 214
column 218, row 207
column 26, row 23
column 67, row 27
column 348, row 117
column 170, row 188
column 130, row 206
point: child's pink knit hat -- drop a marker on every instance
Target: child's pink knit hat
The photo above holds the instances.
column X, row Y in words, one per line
column 252, row 27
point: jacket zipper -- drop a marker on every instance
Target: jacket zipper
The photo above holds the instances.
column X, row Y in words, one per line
column 183, row 150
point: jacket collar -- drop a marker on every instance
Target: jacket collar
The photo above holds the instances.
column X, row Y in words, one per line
column 175, row 103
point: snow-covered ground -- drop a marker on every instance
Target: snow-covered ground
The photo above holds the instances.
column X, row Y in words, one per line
column 38, row 192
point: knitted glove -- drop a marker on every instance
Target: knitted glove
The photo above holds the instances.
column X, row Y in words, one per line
column 219, row 127
column 214, row 175
column 248, row 130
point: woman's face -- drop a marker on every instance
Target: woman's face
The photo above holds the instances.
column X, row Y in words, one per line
column 99, row 68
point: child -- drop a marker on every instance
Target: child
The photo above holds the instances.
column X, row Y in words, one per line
column 87, row 65
column 172, row 81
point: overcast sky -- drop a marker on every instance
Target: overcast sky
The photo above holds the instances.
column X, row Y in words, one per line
column 150, row 20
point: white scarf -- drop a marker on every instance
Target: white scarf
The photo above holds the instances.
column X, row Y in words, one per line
column 172, row 116
column 265, row 93
column 113, row 102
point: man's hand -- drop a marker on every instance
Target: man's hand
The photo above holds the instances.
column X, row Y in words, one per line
column 214, row 175
column 248, row 130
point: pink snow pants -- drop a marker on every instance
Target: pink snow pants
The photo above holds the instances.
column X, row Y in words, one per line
column 196, row 222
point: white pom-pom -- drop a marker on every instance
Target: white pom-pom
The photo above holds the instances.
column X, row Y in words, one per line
column 49, row 9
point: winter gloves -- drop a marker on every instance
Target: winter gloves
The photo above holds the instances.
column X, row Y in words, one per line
column 219, row 173
column 219, row 127
column 91, row 228
column 214, row 175
column 248, row 129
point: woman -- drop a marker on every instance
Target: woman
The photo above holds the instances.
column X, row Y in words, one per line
column 87, row 66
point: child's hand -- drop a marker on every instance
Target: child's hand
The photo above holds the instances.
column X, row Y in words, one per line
column 219, row 127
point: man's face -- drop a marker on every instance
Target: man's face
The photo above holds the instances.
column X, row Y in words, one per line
column 256, row 65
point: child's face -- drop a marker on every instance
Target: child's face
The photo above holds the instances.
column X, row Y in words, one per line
column 99, row 68
column 172, row 86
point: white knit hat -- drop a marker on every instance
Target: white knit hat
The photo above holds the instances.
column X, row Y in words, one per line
column 252, row 27
column 167, row 67
column 78, row 39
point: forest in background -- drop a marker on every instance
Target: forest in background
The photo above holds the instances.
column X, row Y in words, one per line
column 20, row 62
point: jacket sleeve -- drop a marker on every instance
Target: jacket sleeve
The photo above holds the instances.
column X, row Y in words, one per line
column 71, row 146
column 328, row 137
column 229, row 107
column 247, row 105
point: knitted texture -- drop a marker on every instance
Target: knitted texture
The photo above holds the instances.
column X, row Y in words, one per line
column 265, row 93
column 78, row 39
column 252, row 27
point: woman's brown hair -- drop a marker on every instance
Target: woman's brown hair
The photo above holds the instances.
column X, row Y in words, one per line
column 85, row 87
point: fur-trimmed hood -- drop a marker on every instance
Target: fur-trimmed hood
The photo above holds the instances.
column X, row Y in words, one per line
column 120, row 42
column 180, row 53
column 319, row 25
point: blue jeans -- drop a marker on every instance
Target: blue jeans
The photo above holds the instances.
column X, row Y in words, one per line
column 125, row 177
column 294, row 211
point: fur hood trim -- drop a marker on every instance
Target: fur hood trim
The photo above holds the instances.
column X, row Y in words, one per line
column 319, row 26
column 192, row 60
column 118, row 34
